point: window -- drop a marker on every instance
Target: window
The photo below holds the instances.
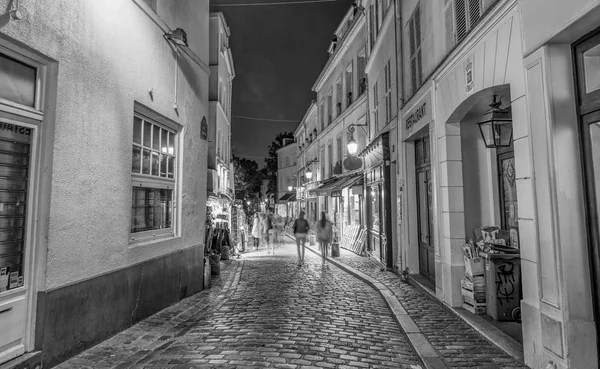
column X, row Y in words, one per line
column 322, row 115
column 467, row 14
column 372, row 25
column 416, row 68
column 349, row 84
column 388, row 92
column 375, row 109
column 339, row 92
column 360, row 70
column 330, row 157
column 153, row 168
column 329, row 106
column 340, row 151
column 322, row 161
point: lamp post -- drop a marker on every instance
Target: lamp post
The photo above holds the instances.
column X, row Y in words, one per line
column 496, row 130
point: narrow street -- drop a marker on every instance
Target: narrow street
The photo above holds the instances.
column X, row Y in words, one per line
column 265, row 311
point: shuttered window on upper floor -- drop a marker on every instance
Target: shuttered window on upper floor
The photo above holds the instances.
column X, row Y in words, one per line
column 388, row 92
column 416, row 67
column 461, row 16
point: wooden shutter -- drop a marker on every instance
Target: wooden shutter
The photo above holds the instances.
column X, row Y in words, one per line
column 474, row 13
column 460, row 19
column 449, row 19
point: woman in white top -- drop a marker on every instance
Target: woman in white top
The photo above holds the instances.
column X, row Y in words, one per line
column 256, row 231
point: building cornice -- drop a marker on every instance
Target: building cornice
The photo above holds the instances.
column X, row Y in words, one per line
column 351, row 34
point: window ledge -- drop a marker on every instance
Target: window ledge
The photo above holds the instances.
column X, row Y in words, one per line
column 152, row 240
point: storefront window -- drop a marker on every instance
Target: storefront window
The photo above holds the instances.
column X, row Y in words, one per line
column 375, row 204
column 15, row 144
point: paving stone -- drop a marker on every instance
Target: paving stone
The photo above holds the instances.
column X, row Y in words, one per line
column 265, row 311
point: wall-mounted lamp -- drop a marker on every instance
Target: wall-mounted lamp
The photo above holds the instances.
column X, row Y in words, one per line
column 290, row 188
column 496, row 130
column 309, row 173
column 352, row 145
column 178, row 37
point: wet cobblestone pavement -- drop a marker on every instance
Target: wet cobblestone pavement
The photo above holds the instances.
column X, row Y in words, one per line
column 456, row 342
column 265, row 311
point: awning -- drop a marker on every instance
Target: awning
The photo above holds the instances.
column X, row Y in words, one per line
column 350, row 181
column 325, row 187
column 292, row 198
column 334, row 186
column 286, row 197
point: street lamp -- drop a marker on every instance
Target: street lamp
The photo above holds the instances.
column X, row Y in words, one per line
column 352, row 145
column 496, row 131
column 308, row 174
column 290, row 188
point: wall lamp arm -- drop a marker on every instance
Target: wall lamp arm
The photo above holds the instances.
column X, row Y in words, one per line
column 351, row 126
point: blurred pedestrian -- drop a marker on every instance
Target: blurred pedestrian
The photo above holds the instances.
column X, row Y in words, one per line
column 256, row 231
column 278, row 228
column 324, row 234
column 301, row 228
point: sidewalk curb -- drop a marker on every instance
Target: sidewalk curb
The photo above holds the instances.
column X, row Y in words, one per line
column 420, row 343
column 485, row 329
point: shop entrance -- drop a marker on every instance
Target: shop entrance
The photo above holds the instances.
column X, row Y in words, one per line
column 424, row 209
column 587, row 67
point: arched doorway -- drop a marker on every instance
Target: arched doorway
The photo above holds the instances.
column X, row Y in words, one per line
column 481, row 196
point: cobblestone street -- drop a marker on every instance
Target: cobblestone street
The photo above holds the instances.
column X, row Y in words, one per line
column 265, row 311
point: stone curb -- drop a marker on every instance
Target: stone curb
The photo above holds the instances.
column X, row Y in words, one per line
column 485, row 329
column 420, row 343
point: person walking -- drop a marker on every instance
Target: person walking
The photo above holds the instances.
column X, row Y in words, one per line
column 301, row 228
column 270, row 233
column 256, row 231
column 264, row 228
column 324, row 234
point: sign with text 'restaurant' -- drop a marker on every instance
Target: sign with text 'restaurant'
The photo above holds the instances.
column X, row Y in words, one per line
column 419, row 114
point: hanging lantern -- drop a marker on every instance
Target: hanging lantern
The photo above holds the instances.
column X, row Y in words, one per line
column 496, row 130
column 352, row 146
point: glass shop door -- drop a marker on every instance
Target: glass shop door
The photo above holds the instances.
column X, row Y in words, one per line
column 15, row 151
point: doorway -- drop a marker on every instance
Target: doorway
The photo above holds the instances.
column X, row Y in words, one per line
column 424, row 209
column 587, row 68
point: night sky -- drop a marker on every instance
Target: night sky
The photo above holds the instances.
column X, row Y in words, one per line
column 278, row 53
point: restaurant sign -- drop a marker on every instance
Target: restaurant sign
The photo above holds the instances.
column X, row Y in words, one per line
column 418, row 116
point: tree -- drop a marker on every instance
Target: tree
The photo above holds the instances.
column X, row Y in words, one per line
column 247, row 178
column 271, row 161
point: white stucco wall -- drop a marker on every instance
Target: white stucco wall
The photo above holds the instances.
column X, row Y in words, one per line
column 109, row 54
column 545, row 19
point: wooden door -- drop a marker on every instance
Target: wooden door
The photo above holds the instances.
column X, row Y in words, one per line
column 424, row 210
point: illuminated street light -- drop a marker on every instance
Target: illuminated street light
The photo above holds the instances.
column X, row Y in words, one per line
column 352, row 146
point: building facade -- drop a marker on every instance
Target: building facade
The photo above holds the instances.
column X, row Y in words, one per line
column 540, row 60
column 380, row 154
column 286, row 178
column 342, row 116
column 220, row 167
column 103, row 154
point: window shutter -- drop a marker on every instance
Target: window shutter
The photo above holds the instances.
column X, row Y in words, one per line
column 474, row 13
column 419, row 68
column 417, row 27
column 460, row 19
column 411, row 26
column 450, row 37
column 389, row 106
